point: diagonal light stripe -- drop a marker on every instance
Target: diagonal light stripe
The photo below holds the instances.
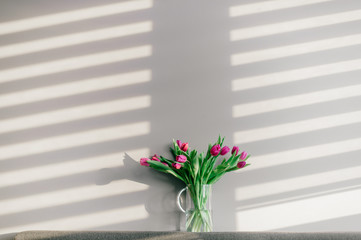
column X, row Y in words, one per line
column 76, row 194
column 300, row 212
column 304, row 153
column 74, row 140
column 296, row 49
column 288, row 129
column 297, row 183
column 295, row 75
column 74, row 39
column 63, row 169
column 75, row 113
column 73, row 88
column 294, row 101
column 295, row 197
column 86, row 221
column 294, row 25
column 74, row 63
column 73, row 16
column 268, row 6
column 73, row 195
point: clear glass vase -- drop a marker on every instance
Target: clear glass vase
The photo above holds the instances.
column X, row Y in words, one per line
column 198, row 209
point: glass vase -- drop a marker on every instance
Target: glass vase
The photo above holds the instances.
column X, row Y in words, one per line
column 198, row 209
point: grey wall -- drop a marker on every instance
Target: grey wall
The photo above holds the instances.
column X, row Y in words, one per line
column 74, row 125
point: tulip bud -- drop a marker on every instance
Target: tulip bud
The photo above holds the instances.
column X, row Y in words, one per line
column 179, row 143
column 176, row 165
column 155, row 158
column 181, row 158
column 241, row 164
column 224, row 150
column 144, row 161
column 243, row 155
column 235, row 149
column 215, row 150
column 184, row 147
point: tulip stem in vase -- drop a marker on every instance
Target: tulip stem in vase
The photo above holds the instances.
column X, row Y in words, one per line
column 199, row 216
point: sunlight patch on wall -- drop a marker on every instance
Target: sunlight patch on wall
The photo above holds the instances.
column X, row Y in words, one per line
column 268, row 6
column 297, row 127
column 296, row 49
column 300, row 212
column 74, row 63
column 296, row 183
column 302, row 154
column 74, row 113
column 63, row 169
column 294, row 25
column 74, row 140
column 75, row 39
column 87, row 221
column 259, row 107
column 76, row 87
column 70, row 195
column 295, row 75
column 73, row 16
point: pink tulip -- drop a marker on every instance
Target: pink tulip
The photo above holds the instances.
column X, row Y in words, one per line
column 155, row 158
column 179, row 143
column 144, row 161
column 181, row 158
column 224, row 150
column 241, row 164
column 243, row 155
column 215, row 150
column 176, row 165
column 235, row 149
column 184, row 147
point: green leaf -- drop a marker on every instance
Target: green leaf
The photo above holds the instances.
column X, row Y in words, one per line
column 185, row 154
column 222, row 142
column 232, row 169
column 219, row 140
column 173, row 152
column 162, row 168
column 175, row 175
column 163, row 159
column 157, row 165
column 193, row 154
column 215, row 178
column 203, row 166
column 234, row 160
column 209, row 151
column 196, row 166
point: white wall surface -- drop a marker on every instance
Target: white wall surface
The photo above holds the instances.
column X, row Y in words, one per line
column 89, row 87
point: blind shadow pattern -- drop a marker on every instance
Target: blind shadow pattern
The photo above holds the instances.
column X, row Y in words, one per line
column 73, row 117
column 296, row 93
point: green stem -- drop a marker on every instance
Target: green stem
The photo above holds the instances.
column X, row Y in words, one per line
column 199, row 218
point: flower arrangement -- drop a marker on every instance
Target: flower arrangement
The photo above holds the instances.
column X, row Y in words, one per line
column 196, row 170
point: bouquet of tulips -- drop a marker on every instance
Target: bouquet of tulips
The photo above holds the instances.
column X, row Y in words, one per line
column 196, row 170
